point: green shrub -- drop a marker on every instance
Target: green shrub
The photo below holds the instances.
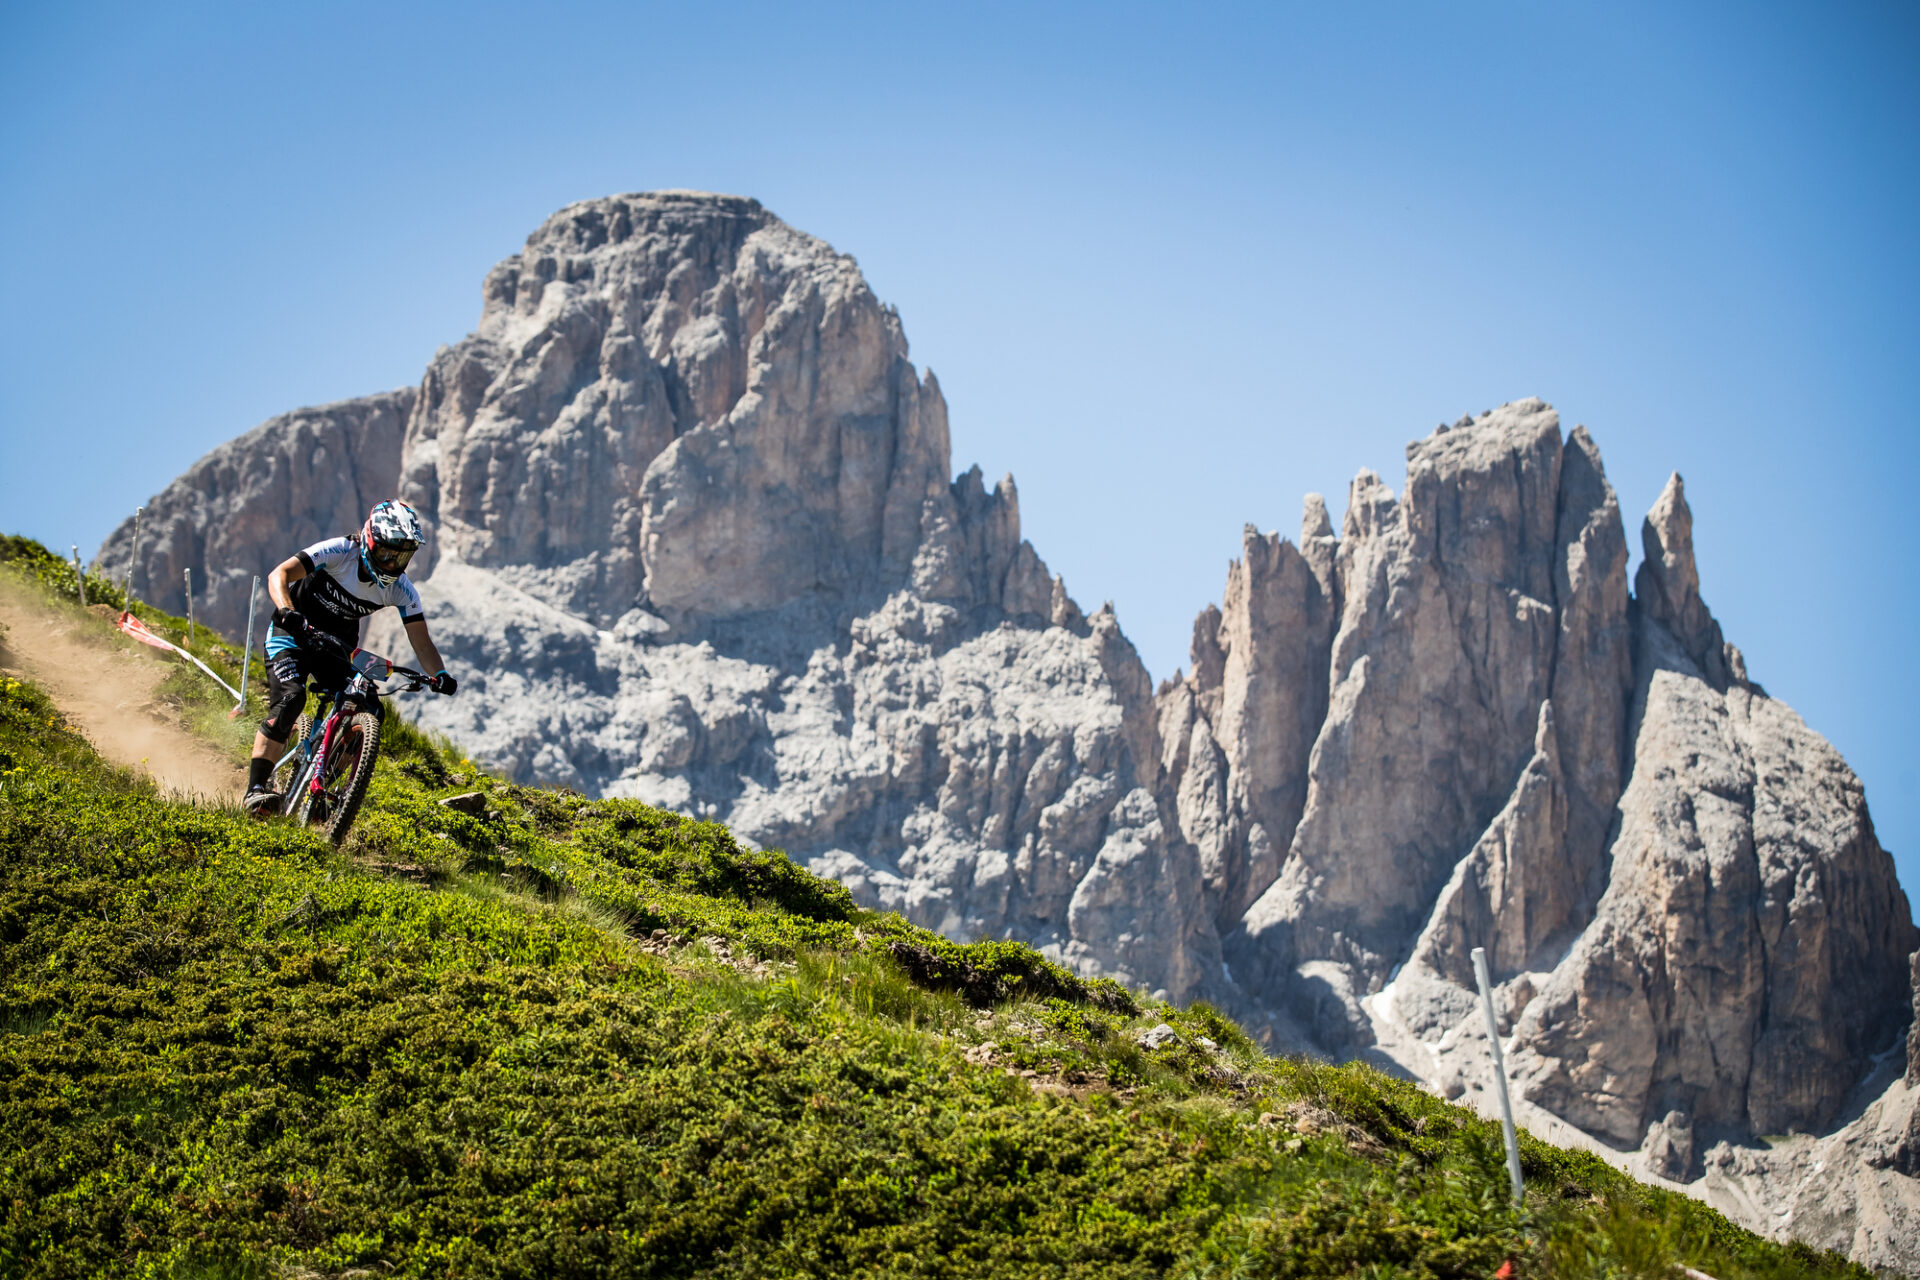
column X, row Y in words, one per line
column 988, row 972
column 56, row 573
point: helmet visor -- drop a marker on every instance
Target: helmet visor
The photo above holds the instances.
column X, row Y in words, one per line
column 392, row 557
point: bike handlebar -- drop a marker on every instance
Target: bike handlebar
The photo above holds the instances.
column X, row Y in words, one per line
column 366, row 662
column 415, row 681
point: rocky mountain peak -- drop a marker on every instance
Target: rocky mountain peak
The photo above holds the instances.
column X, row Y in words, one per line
column 645, row 348
column 590, row 225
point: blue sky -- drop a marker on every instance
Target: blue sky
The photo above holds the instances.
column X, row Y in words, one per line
column 1175, row 265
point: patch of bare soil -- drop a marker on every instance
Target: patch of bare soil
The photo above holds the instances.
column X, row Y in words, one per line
column 105, row 685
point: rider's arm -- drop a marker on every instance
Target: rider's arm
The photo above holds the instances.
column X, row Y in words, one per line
column 423, row 646
column 284, row 574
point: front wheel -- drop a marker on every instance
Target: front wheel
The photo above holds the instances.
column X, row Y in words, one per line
column 345, row 773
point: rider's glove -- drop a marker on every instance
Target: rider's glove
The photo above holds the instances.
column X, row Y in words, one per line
column 291, row 621
column 443, row 682
column 314, row 640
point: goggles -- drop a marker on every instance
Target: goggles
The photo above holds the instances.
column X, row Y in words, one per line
column 392, row 557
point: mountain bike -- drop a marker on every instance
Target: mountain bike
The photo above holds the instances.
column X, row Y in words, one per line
column 333, row 752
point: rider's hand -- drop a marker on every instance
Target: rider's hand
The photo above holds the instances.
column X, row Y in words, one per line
column 291, row 621
column 443, row 682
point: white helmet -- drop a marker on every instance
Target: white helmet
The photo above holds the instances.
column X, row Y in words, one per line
column 388, row 540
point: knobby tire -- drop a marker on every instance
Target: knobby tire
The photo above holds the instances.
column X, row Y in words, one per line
column 293, row 796
column 359, row 734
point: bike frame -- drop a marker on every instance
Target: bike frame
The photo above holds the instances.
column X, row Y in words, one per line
column 360, row 693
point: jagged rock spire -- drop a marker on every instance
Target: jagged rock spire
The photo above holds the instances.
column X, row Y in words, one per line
column 1668, row 582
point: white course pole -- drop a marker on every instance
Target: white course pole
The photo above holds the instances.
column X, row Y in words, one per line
column 132, row 559
column 246, row 650
column 79, row 576
column 189, row 607
column 1499, row 1071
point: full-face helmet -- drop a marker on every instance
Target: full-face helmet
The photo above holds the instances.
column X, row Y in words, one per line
column 388, row 540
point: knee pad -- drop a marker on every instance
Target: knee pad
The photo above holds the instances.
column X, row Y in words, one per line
column 286, row 697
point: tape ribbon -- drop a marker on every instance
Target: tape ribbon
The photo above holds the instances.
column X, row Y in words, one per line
column 138, row 631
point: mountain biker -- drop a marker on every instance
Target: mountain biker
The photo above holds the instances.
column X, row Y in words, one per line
column 319, row 596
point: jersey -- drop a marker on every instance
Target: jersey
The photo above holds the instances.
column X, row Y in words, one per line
column 338, row 591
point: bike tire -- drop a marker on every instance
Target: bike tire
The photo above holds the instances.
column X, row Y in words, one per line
column 359, row 733
column 293, row 785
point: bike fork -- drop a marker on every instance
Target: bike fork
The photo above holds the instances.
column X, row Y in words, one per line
column 301, row 755
column 319, row 771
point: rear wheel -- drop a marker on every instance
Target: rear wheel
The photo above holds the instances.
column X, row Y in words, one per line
column 345, row 774
column 291, row 782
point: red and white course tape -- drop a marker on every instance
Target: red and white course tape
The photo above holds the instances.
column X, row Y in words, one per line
column 138, row 631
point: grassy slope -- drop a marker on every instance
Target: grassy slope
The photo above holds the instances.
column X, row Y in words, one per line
column 570, row 1037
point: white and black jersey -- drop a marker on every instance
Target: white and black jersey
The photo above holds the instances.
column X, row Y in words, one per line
column 338, row 591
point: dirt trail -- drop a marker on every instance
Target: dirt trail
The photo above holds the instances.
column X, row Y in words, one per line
column 105, row 687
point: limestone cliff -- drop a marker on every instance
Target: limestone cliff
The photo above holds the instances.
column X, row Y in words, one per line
column 697, row 540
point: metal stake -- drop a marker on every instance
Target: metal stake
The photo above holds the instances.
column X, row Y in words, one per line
column 132, row 559
column 79, row 577
column 189, row 607
column 1499, row 1071
column 246, row 650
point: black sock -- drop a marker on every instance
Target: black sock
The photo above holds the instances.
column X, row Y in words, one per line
column 257, row 772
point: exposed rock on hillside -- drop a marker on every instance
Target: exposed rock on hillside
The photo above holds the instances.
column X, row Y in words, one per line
column 697, row 543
